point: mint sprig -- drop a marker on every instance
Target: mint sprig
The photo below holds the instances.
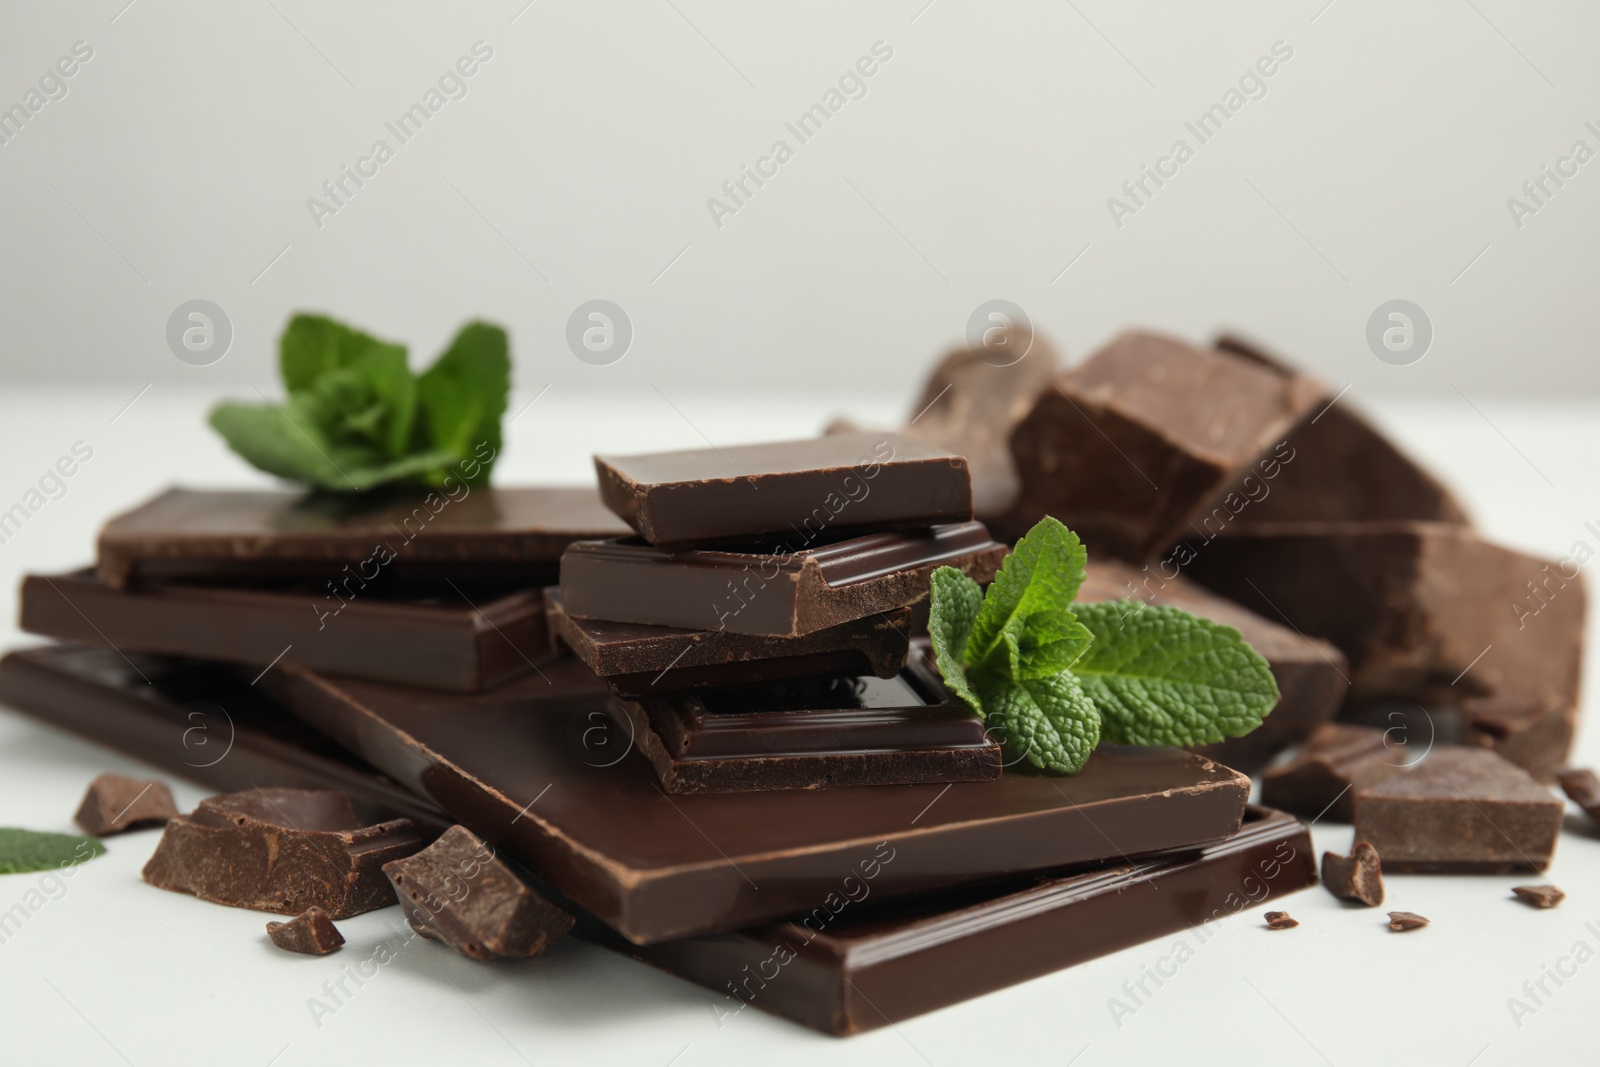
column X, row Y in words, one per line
column 356, row 417
column 1052, row 681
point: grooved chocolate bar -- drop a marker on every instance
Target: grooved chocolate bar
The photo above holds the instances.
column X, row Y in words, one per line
column 849, row 481
column 769, row 589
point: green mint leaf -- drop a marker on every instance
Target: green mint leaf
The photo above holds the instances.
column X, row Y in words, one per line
column 1051, row 722
column 1161, row 676
column 1029, row 600
column 22, row 851
column 313, row 345
column 282, row 441
column 463, row 395
column 954, row 603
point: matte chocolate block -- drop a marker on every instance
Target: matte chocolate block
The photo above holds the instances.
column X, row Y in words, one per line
column 1428, row 612
column 642, row 661
column 776, row 589
column 1132, row 445
column 1310, row 672
column 849, row 481
column 813, row 733
column 115, row 802
column 875, row 964
column 281, row 850
column 516, row 766
column 238, row 536
column 311, row 932
column 1459, row 810
column 441, row 634
column 1343, row 467
column 1321, row 779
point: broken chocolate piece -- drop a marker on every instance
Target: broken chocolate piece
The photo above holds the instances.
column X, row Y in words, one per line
column 115, row 803
column 311, row 932
column 459, row 892
column 1406, row 920
column 802, row 488
column 1459, row 810
column 1583, row 789
column 1428, row 612
column 1147, row 435
column 1358, row 876
column 641, row 661
column 281, row 850
column 1280, row 920
column 1310, row 672
column 777, row 590
column 1320, row 780
column 1539, row 896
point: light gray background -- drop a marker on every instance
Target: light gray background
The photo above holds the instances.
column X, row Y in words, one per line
column 977, row 166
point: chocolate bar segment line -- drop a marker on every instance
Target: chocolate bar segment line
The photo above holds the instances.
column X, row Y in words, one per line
column 847, row 481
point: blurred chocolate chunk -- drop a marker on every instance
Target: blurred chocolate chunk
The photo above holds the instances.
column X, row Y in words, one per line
column 1406, row 920
column 459, row 892
column 115, row 803
column 1358, row 876
column 1280, row 920
column 1583, row 789
column 281, row 850
column 311, row 932
column 1141, row 444
column 1321, row 778
column 1459, row 810
column 1310, row 672
column 1539, row 896
column 1429, row 612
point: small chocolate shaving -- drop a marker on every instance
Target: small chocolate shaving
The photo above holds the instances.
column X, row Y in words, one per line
column 311, row 932
column 1406, row 920
column 1358, row 876
column 1539, row 896
column 115, row 802
column 1583, row 789
column 1281, row 920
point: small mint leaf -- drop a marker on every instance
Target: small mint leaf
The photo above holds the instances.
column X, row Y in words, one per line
column 1161, row 676
column 954, row 603
column 1050, row 721
column 313, row 345
column 1045, row 643
column 22, row 851
column 1039, row 578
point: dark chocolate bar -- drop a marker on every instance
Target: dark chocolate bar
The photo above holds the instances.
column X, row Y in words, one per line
column 1311, row 673
column 442, row 634
column 642, row 661
column 779, row 589
column 813, row 733
column 852, row 481
column 237, row 536
column 1141, row 439
column 519, row 767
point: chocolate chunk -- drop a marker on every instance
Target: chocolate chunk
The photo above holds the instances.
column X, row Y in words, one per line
column 251, row 536
column 1539, row 896
column 1583, row 789
column 1280, row 920
column 115, row 803
column 1321, row 778
column 1406, row 920
column 281, row 850
column 1310, row 672
column 311, row 932
column 780, row 590
column 641, row 661
column 1342, row 468
column 1358, row 876
column 1148, row 435
column 813, row 733
column 509, row 765
column 1459, row 810
column 459, row 892
column 1427, row 612
column 445, row 635
column 846, row 482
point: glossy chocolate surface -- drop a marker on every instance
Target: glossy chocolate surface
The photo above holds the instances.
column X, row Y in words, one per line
column 510, row 532
column 446, row 635
column 769, row 589
column 516, row 765
column 849, row 481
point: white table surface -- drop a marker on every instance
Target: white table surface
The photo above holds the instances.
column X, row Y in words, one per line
column 108, row 970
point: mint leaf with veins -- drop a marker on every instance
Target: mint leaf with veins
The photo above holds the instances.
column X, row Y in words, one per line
column 955, row 600
column 1050, row 721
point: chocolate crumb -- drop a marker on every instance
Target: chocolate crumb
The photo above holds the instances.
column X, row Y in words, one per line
column 1539, row 896
column 1583, row 789
column 1281, row 920
column 115, row 802
column 1358, row 876
column 311, row 932
column 1406, row 920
